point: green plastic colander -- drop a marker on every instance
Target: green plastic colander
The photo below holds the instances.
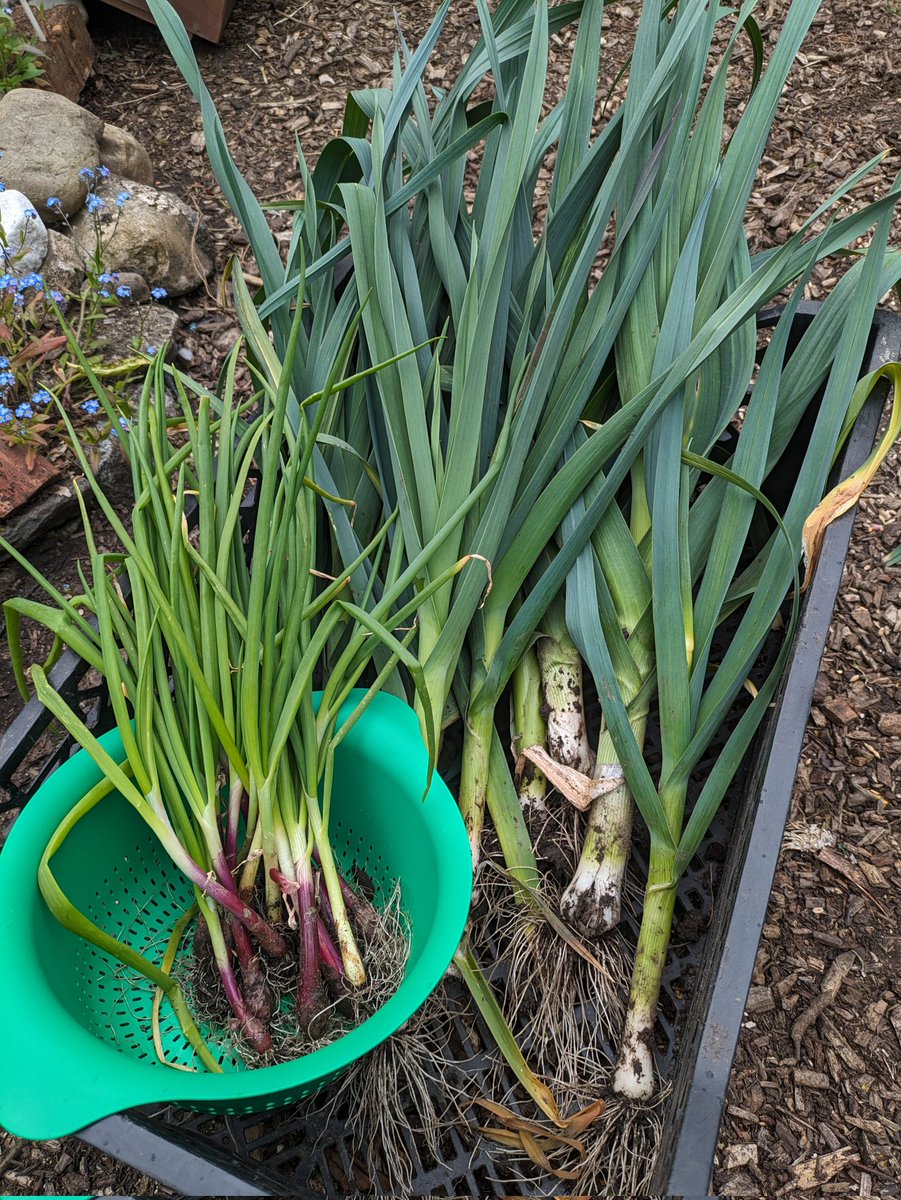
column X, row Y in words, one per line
column 79, row 1044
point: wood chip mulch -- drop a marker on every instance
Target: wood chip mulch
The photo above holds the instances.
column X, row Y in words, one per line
column 815, row 1098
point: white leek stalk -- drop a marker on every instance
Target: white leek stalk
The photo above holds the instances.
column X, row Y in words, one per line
column 561, row 677
column 529, row 728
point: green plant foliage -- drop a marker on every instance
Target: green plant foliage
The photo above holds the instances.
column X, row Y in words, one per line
column 20, row 60
column 573, row 355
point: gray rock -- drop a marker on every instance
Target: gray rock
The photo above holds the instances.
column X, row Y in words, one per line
column 136, row 284
column 25, row 234
column 63, row 269
column 126, row 329
column 153, row 233
column 46, row 140
column 124, row 155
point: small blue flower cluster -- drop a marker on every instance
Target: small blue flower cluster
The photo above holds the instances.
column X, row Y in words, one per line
column 13, row 283
column 32, row 280
column 106, row 278
column 16, row 286
column 25, row 410
column 95, row 203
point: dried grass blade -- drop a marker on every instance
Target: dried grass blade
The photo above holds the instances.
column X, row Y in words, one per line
column 847, row 493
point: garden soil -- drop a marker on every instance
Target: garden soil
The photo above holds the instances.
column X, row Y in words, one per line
column 815, row 1103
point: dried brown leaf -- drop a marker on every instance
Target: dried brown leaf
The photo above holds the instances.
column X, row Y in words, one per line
column 580, row 790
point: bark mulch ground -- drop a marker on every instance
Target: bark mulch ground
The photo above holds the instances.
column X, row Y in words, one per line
column 815, row 1098
column 815, row 1102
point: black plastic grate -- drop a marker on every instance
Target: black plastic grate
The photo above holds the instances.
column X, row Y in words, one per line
column 22, row 740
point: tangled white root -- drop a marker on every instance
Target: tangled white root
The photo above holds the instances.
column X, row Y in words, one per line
column 570, row 1010
column 622, row 1147
column 405, row 1089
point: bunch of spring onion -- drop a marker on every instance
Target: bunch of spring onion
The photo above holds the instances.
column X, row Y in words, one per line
column 573, row 417
column 210, row 650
